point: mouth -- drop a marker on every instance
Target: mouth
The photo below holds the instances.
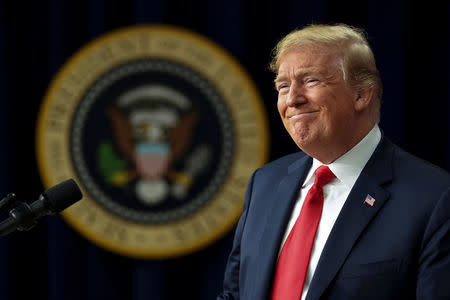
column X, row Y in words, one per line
column 301, row 114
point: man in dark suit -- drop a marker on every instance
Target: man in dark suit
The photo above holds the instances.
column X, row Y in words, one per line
column 377, row 226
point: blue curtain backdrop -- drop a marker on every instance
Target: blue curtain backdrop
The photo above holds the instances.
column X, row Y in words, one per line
column 411, row 44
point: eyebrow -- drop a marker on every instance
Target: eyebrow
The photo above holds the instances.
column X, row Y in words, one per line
column 298, row 73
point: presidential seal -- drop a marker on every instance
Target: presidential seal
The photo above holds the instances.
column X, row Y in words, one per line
column 161, row 128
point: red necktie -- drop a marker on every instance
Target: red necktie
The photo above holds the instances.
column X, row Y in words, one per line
column 294, row 257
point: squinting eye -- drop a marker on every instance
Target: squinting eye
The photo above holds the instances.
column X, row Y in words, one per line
column 311, row 81
column 282, row 88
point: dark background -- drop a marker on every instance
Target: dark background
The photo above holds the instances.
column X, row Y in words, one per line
column 411, row 45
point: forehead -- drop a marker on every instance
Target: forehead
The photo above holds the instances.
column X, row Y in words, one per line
column 300, row 60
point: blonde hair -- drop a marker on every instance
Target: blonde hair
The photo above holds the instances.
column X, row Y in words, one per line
column 355, row 58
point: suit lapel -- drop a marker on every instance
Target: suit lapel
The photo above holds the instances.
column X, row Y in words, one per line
column 278, row 213
column 353, row 218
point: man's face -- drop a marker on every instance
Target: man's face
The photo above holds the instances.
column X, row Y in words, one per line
column 314, row 102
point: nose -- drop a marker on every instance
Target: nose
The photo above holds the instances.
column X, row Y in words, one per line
column 295, row 96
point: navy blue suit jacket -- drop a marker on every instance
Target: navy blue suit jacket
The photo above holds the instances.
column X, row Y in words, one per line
column 399, row 248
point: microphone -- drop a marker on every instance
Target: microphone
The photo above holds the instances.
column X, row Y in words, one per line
column 53, row 200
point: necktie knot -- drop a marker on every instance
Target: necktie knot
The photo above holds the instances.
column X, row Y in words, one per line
column 323, row 176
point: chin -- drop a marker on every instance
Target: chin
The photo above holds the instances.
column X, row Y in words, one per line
column 300, row 134
column 303, row 142
column 303, row 145
column 307, row 141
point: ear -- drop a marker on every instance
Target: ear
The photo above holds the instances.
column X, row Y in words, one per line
column 363, row 99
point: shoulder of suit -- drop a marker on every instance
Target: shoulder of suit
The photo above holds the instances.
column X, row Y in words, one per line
column 284, row 161
column 423, row 170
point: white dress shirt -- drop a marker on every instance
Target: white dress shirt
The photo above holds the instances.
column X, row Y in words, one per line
column 347, row 169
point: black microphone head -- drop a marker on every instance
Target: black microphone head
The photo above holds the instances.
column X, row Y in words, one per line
column 62, row 195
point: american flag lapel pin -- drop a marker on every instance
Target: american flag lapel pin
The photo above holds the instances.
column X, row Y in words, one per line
column 369, row 200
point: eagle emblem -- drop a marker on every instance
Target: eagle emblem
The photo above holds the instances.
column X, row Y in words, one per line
column 153, row 127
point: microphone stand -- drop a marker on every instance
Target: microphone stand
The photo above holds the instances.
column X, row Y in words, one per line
column 24, row 216
column 20, row 213
column 8, row 202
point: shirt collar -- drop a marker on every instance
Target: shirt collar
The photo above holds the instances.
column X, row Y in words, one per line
column 348, row 167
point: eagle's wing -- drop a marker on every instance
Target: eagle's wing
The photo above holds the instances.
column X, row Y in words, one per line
column 181, row 135
column 123, row 132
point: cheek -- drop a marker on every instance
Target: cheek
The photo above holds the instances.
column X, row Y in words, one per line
column 281, row 105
